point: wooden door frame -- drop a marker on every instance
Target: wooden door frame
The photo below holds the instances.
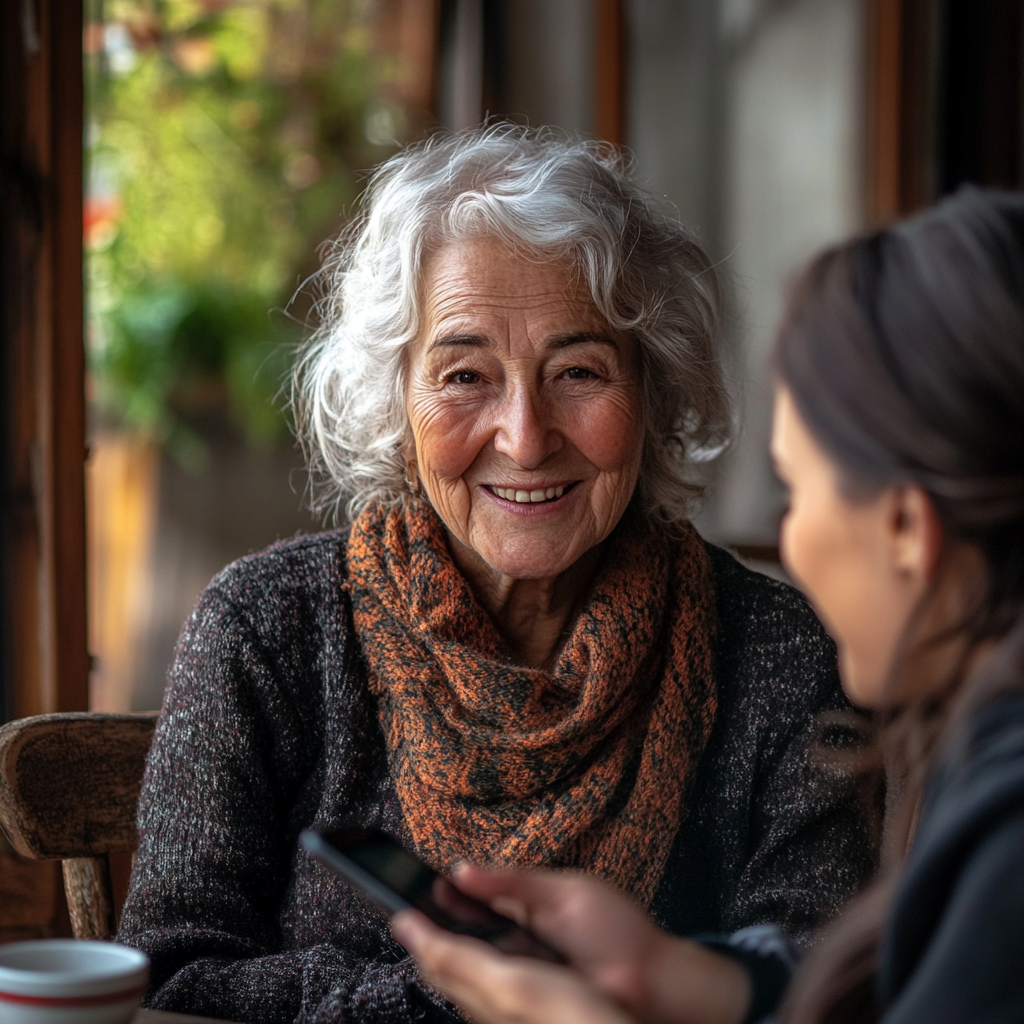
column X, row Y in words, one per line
column 610, row 72
column 45, row 646
column 903, row 41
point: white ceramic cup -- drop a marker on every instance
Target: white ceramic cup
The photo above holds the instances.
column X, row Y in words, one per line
column 70, row 981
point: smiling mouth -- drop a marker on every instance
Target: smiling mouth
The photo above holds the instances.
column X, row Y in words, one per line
column 537, row 496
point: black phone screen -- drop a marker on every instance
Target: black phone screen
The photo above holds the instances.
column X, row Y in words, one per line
column 396, row 879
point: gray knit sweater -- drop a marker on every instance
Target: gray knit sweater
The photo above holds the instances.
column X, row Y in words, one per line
column 268, row 728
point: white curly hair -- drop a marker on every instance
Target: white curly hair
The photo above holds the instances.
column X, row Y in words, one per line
column 549, row 196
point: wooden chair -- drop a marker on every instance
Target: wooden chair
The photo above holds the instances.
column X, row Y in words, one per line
column 69, row 784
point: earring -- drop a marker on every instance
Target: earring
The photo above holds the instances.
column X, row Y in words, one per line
column 412, row 478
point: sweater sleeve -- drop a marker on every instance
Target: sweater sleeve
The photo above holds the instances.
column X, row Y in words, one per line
column 769, row 956
column 811, row 840
column 772, row 834
column 224, row 795
column 809, row 843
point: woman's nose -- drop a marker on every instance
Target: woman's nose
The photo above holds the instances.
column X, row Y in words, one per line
column 525, row 432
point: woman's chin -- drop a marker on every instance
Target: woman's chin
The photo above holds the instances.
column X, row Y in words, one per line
column 490, row 554
column 865, row 685
column 530, row 565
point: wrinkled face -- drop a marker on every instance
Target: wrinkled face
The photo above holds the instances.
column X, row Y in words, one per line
column 524, row 409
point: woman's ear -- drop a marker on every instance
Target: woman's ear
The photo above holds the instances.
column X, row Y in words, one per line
column 412, row 470
column 407, row 449
column 917, row 534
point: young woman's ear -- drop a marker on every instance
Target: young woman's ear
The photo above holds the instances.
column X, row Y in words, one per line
column 916, row 532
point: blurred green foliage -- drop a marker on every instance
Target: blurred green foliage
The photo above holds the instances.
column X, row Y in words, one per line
column 223, row 142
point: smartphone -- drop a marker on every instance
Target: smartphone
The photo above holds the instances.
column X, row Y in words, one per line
column 396, row 879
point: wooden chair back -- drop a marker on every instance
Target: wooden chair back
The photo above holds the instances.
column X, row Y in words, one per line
column 69, row 785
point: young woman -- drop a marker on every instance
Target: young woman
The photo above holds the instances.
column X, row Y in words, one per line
column 899, row 431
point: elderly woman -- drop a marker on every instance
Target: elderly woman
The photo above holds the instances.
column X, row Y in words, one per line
column 520, row 651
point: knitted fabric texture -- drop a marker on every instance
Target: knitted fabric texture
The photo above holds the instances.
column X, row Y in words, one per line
column 269, row 727
column 585, row 765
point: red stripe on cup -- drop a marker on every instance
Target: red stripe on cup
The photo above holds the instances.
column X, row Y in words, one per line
column 72, row 1001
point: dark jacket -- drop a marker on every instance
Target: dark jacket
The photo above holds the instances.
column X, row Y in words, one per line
column 268, row 728
column 954, row 949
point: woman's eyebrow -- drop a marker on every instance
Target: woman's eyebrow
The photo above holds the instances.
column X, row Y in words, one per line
column 561, row 341
column 453, row 340
column 582, row 338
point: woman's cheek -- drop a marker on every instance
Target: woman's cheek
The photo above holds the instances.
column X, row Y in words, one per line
column 837, row 575
column 792, row 548
column 609, row 434
column 446, row 438
column 809, row 557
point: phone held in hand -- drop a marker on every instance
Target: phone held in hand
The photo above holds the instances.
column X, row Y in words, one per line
column 395, row 879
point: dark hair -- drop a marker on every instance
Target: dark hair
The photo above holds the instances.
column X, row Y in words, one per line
column 903, row 351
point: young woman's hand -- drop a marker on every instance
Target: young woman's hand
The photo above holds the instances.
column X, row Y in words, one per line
column 622, row 967
column 492, row 988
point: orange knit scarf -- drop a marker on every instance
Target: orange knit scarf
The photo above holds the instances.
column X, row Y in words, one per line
column 586, row 766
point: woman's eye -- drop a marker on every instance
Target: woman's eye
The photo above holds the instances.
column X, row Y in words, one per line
column 464, row 377
column 578, row 373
